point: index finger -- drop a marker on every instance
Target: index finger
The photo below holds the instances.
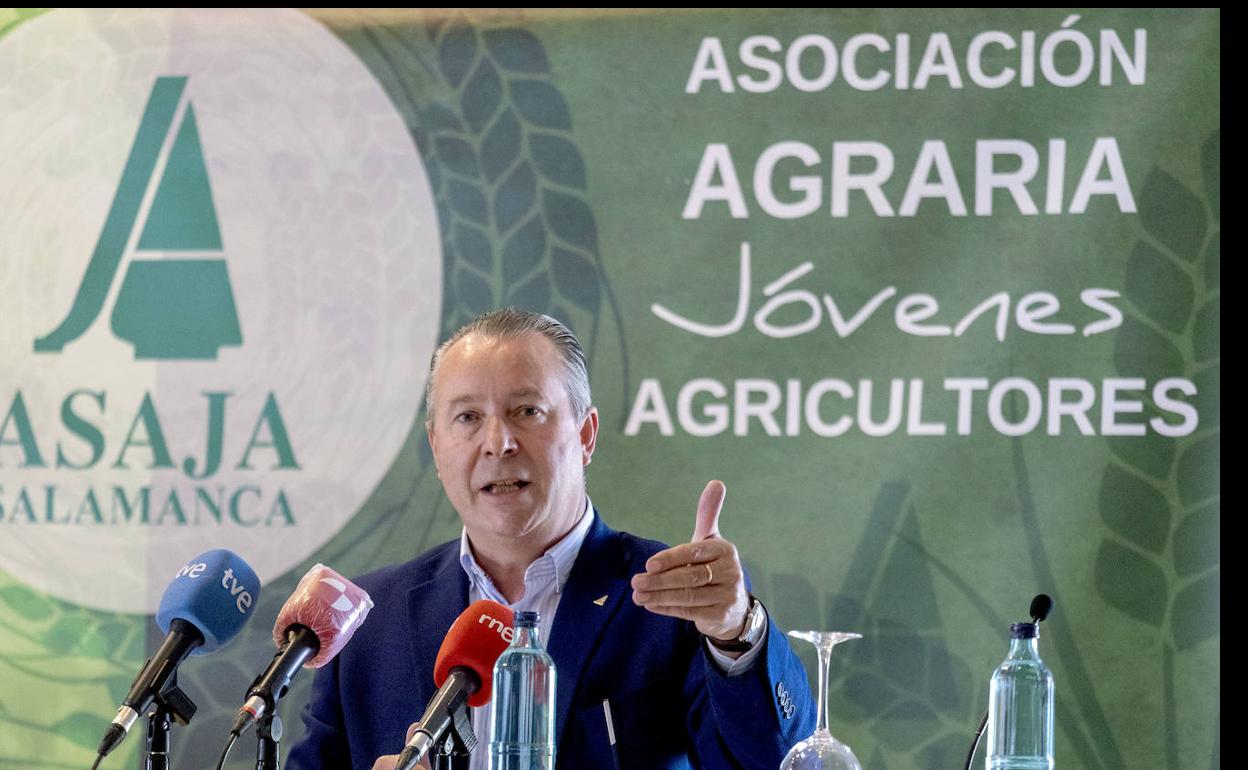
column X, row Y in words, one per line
column 700, row 552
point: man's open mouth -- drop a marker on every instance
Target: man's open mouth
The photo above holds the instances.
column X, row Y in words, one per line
column 504, row 486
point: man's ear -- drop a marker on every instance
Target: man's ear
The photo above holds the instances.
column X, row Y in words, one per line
column 433, row 446
column 589, row 435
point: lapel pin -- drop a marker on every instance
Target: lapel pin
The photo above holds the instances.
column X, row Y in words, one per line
column 601, row 600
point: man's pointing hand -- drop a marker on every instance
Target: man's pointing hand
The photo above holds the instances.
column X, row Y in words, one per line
column 701, row 580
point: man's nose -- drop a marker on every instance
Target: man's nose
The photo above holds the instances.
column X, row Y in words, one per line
column 500, row 440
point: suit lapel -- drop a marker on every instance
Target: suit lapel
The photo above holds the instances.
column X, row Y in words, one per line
column 600, row 570
column 434, row 601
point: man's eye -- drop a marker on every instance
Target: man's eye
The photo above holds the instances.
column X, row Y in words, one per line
column 530, row 411
column 465, row 417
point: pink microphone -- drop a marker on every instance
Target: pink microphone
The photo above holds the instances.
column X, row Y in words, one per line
column 313, row 626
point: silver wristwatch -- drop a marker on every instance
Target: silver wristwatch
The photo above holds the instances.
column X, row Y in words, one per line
column 753, row 633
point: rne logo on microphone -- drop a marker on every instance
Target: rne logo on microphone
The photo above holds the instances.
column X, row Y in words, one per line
column 498, row 626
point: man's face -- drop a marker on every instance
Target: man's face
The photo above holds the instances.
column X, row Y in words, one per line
column 509, row 449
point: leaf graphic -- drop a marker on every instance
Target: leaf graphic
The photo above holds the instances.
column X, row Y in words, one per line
column 83, row 729
column 474, row 293
column 515, row 198
column 501, row 146
column 1207, row 336
column 472, row 246
column 457, row 155
column 67, row 633
column 906, row 725
column 1196, row 541
column 1159, row 288
column 1197, row 612
column 481, row 96
column 571, row 219
column 456, row 51
column 540, row 104
column 1139, row 351
column 1131, row 583
column 532, row 295
column 575, row 278
column 1134, row 509
column 866, row 693
column 558, row 160
column 1152, row 458
column 26, row 603
column 1213, row 262
column 1211, row 168
column 517, row 50
column 1198, row 471
column 468, row 201
column 524, row 250
column 1173, row 215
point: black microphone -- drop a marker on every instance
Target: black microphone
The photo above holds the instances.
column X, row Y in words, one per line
column 202, row 609
column 1041, row 606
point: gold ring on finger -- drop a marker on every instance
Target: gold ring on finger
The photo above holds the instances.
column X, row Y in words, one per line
column 710, row 576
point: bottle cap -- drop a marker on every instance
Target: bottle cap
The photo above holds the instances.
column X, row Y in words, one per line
column 528, row 618
column 1017, row 630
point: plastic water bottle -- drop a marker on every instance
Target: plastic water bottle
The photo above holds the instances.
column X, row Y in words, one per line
column 1020, row 707
column 523, row 705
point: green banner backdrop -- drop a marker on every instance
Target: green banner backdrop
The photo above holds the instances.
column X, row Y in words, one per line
column 936, row 293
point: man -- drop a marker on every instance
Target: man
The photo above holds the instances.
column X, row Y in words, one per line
column 664, row 660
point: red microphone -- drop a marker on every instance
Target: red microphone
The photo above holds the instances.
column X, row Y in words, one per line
column 313, row 626
column 464, row 674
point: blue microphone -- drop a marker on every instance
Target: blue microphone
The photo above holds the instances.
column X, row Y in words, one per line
column 207, row 603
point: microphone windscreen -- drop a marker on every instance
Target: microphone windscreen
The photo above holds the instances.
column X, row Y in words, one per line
column 330, row 605
column 1041, row 606
column 476, row 639
column 216, row 592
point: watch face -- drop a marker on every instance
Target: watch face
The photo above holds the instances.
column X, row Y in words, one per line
column 757, row 619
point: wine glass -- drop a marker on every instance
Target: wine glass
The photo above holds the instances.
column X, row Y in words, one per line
column 821, row 751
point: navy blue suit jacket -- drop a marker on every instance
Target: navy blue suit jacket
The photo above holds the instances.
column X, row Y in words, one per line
column 671, row 705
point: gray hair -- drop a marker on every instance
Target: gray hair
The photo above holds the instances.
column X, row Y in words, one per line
column 510, row 323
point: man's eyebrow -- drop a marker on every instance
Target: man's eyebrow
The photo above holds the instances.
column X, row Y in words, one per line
column 464, row 399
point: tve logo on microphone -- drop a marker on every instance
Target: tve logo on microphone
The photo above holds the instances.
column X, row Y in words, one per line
column 237, row 590
column 229, row 581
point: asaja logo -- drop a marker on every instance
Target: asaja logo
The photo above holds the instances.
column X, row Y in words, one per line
column 222, row 271
column 168, row 308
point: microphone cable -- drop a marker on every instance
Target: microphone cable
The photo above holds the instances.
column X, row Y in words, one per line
column 975, row 743
column 98, row 758
column 229, row 745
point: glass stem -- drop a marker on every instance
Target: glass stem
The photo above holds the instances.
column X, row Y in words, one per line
column 825, row 660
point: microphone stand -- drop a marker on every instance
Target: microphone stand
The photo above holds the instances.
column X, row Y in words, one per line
column 453, row 751
column 269, row 733
column 173, row 704
column 157, row 757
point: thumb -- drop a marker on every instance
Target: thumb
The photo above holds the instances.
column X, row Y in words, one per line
column 709, row 505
